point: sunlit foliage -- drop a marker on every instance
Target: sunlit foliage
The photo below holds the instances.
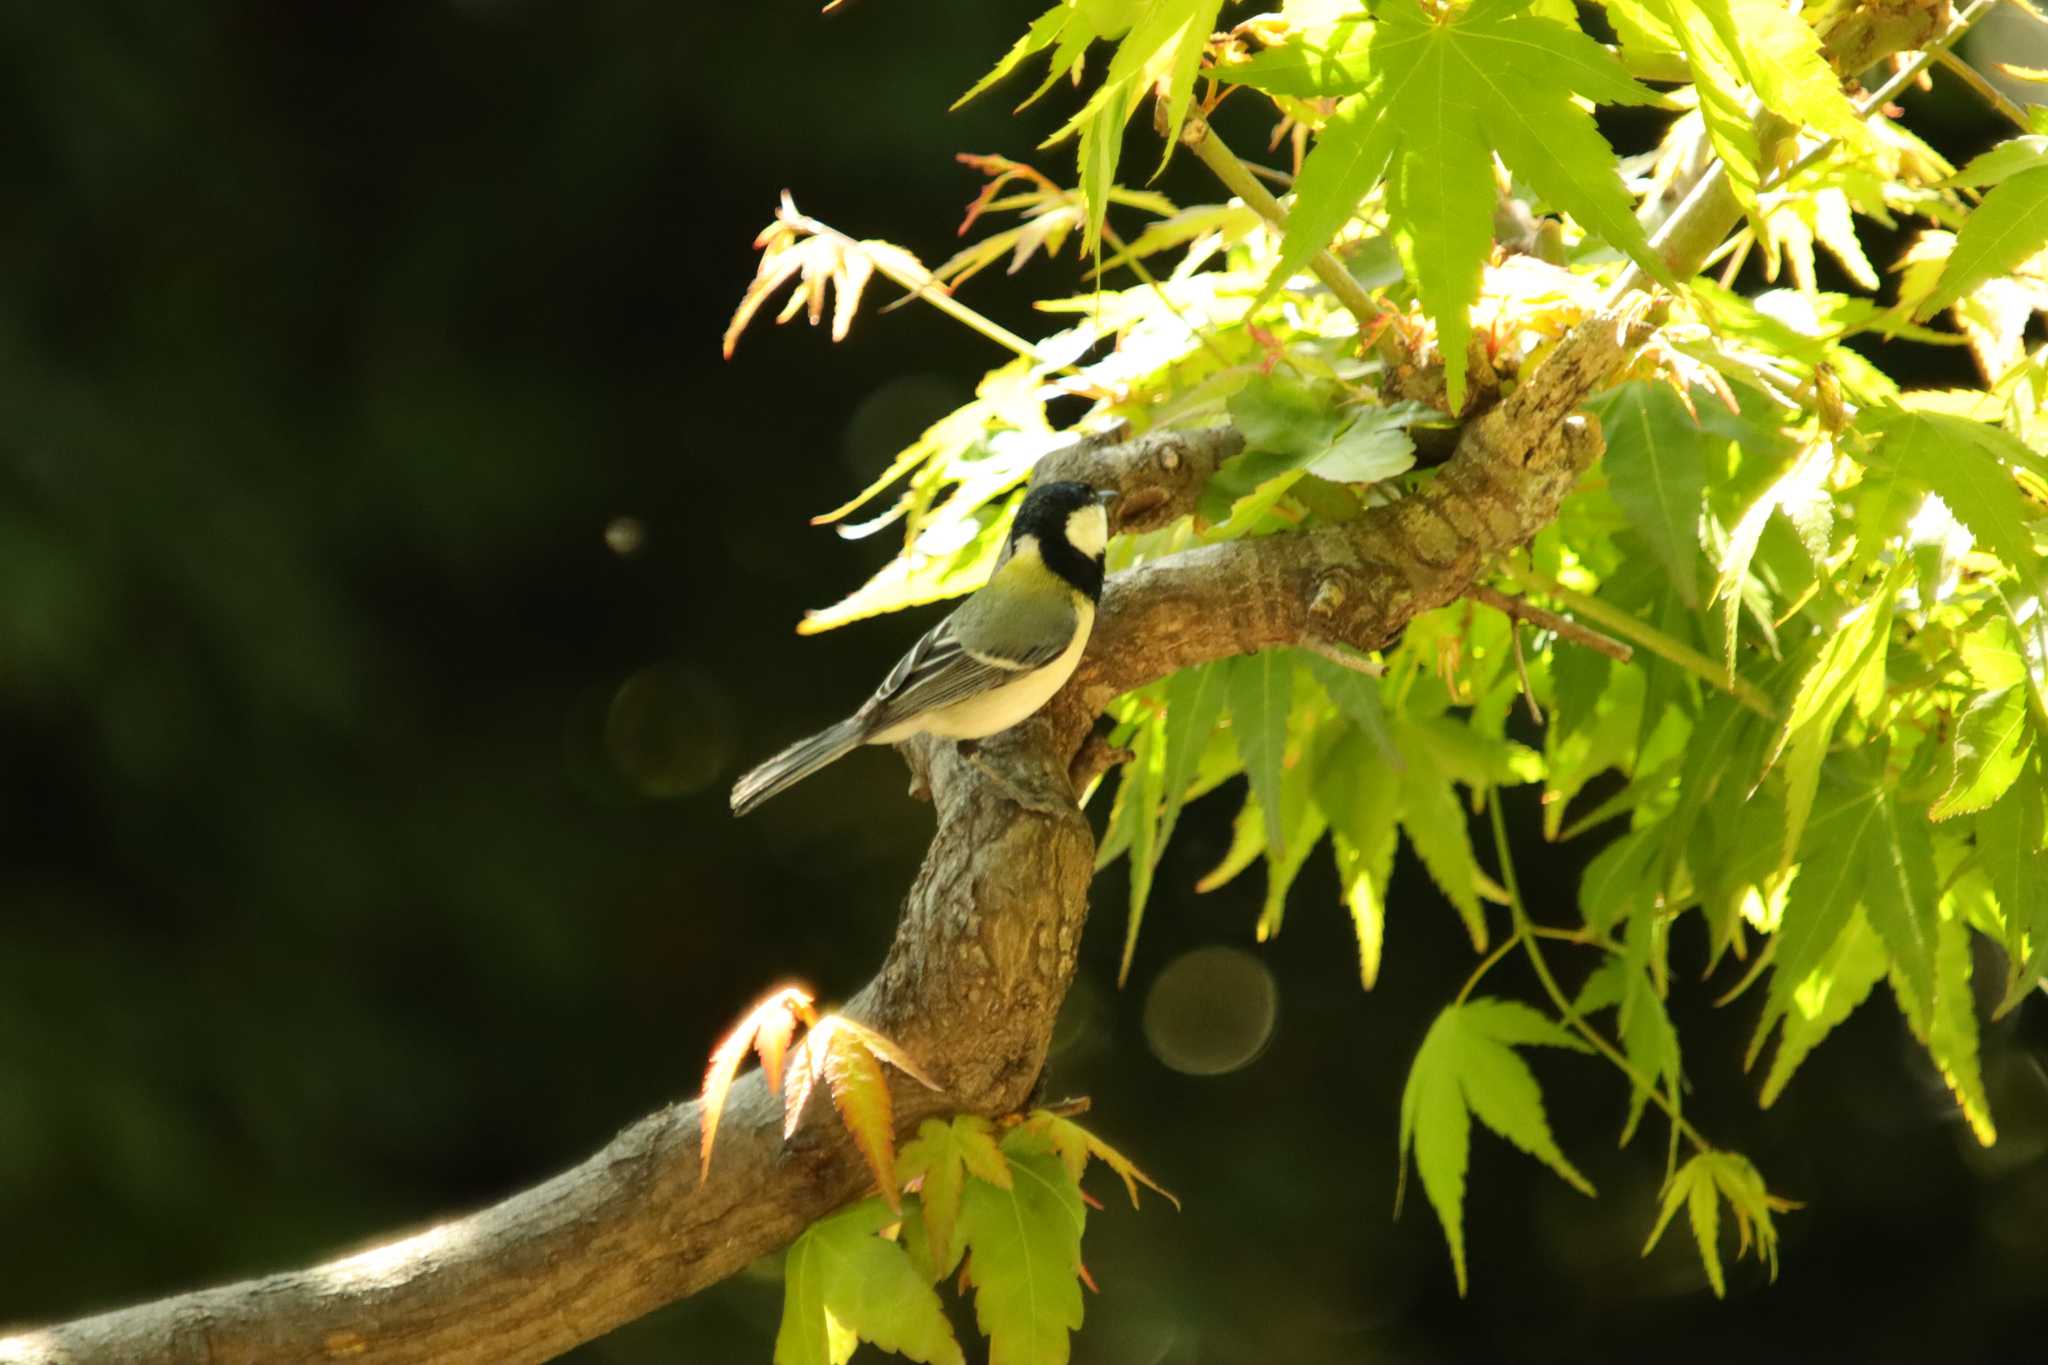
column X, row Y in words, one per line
column 1826, row 743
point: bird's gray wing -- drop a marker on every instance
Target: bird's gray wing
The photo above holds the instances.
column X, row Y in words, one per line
column 939, row 671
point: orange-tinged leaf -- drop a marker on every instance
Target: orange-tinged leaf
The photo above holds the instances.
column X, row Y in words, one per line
column 853, row 1075
column 803, row 1074
column 766, row 1028
column 885, row 1050
column 771, row 1042
column 1075, row 1144
column 848, row 1056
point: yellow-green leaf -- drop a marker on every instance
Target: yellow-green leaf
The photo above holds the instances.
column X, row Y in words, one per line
column 1467, row 1065
column 842, row 1284
column 1024, row 1258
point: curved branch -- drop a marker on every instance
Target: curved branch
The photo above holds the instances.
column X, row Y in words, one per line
column 984, row 950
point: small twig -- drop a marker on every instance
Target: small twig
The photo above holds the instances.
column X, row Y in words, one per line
column 1985, row 90
column 1273, row 173
column 1564, row 628
column 1096, row 756
column 1522, row 669
column 1342, row 657
column 1524, row 931
column 1649, row 637
column 1201, row 139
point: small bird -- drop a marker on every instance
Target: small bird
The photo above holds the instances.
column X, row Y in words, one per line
column 999, row 657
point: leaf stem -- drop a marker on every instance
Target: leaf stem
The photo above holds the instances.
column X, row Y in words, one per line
column 1517, row 609
column 1649, row 637
column 1524, row 934
column 1985, row 90
column 937, row 297
column 1487, row 964
column 1201, row 139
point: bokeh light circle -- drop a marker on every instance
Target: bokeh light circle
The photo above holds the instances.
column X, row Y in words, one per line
column 1211, row 1011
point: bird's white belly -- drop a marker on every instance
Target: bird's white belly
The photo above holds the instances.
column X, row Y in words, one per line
column 1001, row 707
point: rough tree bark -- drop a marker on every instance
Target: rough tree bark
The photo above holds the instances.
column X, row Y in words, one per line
column 983, row 954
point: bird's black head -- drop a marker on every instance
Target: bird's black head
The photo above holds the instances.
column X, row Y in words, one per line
column 1069, row 523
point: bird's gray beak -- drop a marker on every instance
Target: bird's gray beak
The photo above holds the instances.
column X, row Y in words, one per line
column 1108, row 496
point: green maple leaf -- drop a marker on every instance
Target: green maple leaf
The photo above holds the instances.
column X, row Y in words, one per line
column 2009, row 839
column 1301, row 827
column 1901, row 900
column 1735, row 47
column 1468, row 1066
column 1440, row 97
column 1143, row 782
column 1991, row 746
column 1167, row 755
column 2008, row 227
column 1024, row 1246
column 1355, row 796
column 1838, row 983
column 1261, row 693
column 1850, row 660
column 1656, row 464
column 1840, row 849
column 945, row 1154
column 1699, row 1187
column 1971, row 466
column 1435, row 823
column 1952, row 1034
column 842, row 1284
column 1312, row 64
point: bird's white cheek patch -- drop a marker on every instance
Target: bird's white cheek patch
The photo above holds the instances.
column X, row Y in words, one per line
column 1088, row 530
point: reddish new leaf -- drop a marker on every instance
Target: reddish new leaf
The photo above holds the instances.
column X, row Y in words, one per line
column 848, row 1057
column 860, row 1092
column 766, row 1028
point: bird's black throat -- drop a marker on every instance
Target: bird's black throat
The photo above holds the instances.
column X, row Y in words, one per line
column 1069, row 563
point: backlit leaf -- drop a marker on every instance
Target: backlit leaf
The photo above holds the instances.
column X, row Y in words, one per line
column 1320, row 64
column 943, row 1154
column 1952, row 1039
column 843, row 1284
column 1656, row 464
column 1261, row 693
column 2009, row 845
column 1355, row 793
column 1024, row 1257
column 766, row 1028
column 1971, row 466
column 1838, row 983
column 2008, row 227
column 1991, row 745
column 1435, row 823
column 1144, row 779
column 1901, row 898
column 1072, row 1141
column 1467, row 1065
column 1836, row 859
column 1443, row 95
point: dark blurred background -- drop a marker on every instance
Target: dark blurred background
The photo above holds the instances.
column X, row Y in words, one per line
column 393, row 578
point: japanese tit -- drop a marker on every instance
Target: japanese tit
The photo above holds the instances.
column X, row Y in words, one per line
column 999, row 657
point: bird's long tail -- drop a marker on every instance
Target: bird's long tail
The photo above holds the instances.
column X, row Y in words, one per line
column 796, row 763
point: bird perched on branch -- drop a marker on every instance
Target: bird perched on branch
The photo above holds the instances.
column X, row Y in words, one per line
column 998, row 658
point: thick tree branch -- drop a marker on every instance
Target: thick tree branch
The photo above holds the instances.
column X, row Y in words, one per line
column 984, row 950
